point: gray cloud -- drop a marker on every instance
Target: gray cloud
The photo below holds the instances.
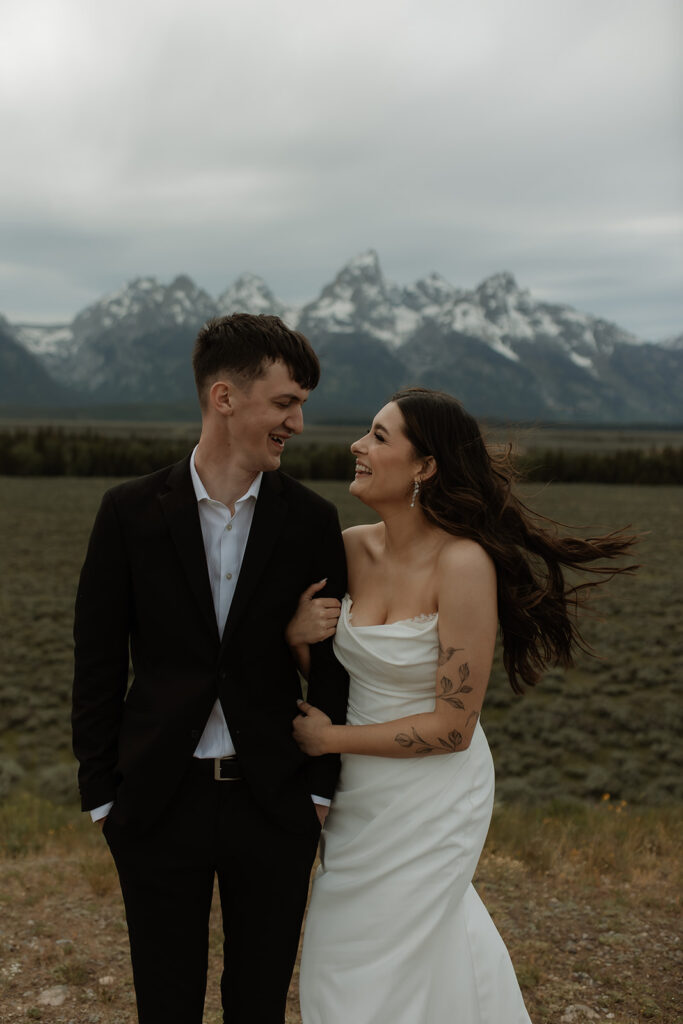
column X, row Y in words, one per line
column 541, row 137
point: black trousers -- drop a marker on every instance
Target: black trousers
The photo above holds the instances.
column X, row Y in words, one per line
column 167, row 877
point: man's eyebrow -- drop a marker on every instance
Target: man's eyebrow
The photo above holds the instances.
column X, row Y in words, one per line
column 291, row 397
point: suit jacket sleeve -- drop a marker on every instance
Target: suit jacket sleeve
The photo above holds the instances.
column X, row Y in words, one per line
column 328, row 685
column 101, row 637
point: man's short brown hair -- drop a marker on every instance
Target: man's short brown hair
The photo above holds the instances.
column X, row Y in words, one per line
column 243, row 345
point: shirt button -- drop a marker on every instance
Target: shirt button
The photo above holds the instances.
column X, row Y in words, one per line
column 228, row 575
column 229, row 526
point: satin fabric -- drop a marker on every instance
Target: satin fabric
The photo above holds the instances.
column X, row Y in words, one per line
column 395, row 930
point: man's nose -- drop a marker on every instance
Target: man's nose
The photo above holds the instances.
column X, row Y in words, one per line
column 295, row 420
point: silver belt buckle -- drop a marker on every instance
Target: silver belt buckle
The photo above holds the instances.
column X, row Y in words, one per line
column 217, row 767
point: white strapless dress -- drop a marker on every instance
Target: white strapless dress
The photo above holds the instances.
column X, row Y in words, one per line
column 395, row 932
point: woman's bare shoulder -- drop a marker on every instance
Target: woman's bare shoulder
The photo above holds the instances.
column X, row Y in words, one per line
column 361, row 538
column 463, row 556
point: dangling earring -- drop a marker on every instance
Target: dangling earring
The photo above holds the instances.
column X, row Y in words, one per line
column 416, row 491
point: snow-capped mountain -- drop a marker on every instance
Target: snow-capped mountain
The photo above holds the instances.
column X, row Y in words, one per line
column 144, row 305
column 133, row 342
column 497, row 312
column 22, row 376
column 358, row 300
column 500, row 350
column 250, row 294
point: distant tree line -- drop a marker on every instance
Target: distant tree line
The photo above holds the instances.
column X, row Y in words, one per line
column 629, row 466
column 57, row 451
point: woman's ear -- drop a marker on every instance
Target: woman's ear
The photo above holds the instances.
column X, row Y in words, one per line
column 428, row 468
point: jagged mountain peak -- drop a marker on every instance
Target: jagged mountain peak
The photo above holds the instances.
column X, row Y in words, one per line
column 501, row 282
column 248, row 279
column 183, row 283
column 358, row 300
column 430, row 291
column 363, row 271
column 249, row 293
column 500, row 294
column 178, row 302
column 365, row 263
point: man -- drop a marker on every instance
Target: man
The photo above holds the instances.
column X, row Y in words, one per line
column 197, row 570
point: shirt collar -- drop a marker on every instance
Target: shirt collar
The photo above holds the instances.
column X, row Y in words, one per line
column 201, row 492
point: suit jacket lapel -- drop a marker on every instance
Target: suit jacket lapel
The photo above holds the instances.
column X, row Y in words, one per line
column 266, row 527
column 179, row 505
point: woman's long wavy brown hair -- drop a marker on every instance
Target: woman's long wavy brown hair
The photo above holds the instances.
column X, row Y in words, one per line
column 471, row 494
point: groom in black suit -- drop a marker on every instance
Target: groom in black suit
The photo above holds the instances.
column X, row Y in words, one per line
column 194, row 572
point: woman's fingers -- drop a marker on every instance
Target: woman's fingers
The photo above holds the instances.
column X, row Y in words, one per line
column 315, row 618
column 313, row 589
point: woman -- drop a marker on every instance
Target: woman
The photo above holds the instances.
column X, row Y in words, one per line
column 396, row 934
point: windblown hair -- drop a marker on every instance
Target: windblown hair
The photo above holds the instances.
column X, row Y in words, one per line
column 471, row 495
column 243, row 345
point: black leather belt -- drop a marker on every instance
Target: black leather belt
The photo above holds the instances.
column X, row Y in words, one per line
column 221, row 769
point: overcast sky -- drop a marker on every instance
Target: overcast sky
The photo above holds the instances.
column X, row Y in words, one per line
column 283, row 137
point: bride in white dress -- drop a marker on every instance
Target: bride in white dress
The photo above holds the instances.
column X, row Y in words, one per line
column 395, row 932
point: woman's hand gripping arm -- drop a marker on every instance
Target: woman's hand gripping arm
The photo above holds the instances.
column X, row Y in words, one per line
column 315, row 620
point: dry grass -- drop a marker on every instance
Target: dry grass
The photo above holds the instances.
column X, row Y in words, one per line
column 587, row 899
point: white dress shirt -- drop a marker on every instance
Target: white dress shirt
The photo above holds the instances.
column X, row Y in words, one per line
column 225, row 538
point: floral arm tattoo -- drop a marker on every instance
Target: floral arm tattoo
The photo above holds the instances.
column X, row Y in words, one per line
column 450, row 695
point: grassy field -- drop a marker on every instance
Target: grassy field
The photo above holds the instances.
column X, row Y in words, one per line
column 610, row 724
column 584, row 886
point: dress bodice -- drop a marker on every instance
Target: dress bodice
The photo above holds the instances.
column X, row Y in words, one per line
column 392, row 667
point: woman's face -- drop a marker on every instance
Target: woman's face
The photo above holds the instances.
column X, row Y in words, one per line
column 386, row 464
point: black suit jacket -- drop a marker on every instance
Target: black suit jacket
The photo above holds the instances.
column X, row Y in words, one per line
column 144, row 588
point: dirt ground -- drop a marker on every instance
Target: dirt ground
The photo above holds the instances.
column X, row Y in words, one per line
column 585, row 948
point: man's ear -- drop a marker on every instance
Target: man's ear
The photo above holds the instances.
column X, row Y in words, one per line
column 220, row 397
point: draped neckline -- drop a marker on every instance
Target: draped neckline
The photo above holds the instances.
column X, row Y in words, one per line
column 422, row 619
